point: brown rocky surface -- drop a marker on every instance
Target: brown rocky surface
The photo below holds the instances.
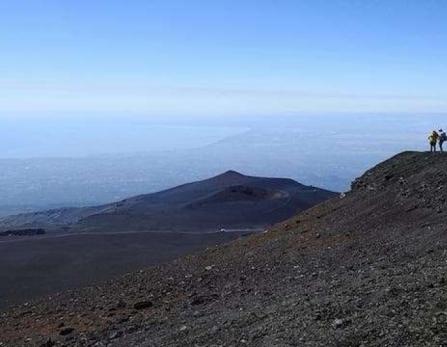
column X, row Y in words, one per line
column 365, row 269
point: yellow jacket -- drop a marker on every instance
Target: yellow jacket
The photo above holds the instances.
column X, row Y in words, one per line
column 433, row 138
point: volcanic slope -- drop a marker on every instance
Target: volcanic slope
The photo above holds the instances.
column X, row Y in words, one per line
column 230, row 200
column 368, row 269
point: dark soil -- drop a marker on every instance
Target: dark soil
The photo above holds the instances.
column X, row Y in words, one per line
column 33, row 266
column 366, row 269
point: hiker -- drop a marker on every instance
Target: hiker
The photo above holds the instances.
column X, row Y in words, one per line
column 442, row 138
column 433, row 139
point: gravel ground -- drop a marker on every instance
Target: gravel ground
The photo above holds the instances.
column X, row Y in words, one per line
column 35, row 266
column 366, row 269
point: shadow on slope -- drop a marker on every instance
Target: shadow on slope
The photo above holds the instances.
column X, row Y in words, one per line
column 30, row 268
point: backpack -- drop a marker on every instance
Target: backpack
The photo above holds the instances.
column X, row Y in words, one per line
column 443, row 137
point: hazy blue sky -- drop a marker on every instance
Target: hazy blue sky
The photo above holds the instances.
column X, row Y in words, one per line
column 223, row 56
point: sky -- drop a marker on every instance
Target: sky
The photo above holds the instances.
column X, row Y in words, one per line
column 225, row 57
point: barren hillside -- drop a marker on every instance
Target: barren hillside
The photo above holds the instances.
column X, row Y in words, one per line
column 367, row 269
column 230, row 200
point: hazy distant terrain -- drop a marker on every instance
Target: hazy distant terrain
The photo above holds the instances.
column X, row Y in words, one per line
column 230, row 201
column 145, row 156
column 86, row 245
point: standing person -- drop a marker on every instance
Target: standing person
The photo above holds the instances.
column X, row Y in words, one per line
column 433, row 139
column 442, row 138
